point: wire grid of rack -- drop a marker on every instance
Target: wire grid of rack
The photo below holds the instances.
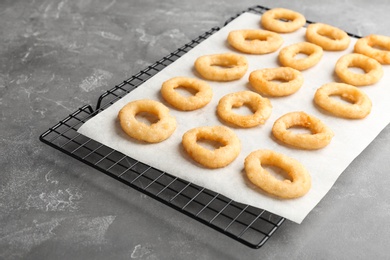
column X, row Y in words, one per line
column 246, row 224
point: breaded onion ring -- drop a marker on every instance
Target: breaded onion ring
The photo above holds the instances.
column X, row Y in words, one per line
column 373, row 69
column 260, row 106
column 361, row 103
column 320, row 136
column 287, row 54
column 217, row 158
column 282, row 20
column 374, row 46
column 262, row 81
column 153, row 133
column 255, row 41
column 299, row 184
column 222, row 67
column 328, row 37
column 201, row 98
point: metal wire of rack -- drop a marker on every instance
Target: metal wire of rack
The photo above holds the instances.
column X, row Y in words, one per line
column 246, row 224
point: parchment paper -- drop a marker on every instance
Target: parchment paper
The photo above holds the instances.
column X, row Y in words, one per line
column 325, row 165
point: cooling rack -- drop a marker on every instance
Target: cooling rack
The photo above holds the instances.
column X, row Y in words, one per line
column 246, row 224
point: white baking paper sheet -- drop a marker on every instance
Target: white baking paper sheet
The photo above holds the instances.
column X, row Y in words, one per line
column 325, row 165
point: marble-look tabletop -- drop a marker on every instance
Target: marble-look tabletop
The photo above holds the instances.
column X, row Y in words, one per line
column 58, row 55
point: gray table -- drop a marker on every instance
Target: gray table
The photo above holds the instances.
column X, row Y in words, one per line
column 56, row 56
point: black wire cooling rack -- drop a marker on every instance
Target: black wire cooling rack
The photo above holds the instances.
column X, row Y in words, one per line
column 246, row 224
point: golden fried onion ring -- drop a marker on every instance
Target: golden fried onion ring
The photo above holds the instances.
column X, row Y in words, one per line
column 260, row 106
column 201, row 98
column 328, row 37
column 272, row 20
column 262, row 81
column 217, row 158
column 255, row 41
column 320, row 136
column 361, row 103
column 299, row 184
column 373, row 69
column 221, row 67
column 367, row 46
column 153, row 133
column 287, row 55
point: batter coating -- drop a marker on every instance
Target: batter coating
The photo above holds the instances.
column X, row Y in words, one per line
column 287, row 55
column 373, row 69
column 328, row 37
column 260, row 106
column 202, row 97
column 153, row 133
column 222, row 67
column 299, row 184
column 255, row 41
column 367, row 46
column 272, row 20
column 361, row 103
column 262, row 81
column 320, row 135
column 217, row 158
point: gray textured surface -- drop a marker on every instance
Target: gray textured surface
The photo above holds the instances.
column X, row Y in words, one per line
column 56, row 56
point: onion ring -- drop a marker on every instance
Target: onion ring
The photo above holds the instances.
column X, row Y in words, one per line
column 222, row 67
column 373, row 69
column 299, row 184
column 261, row 81
column 153, row 133
column 260, row 106
column 360, row 108
column 272, row 20
column 328, row 37
column 255, row 41
column 320, row 136
column 202, row 97
column 287, row 54
column 217, row 158
column 366, row 46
